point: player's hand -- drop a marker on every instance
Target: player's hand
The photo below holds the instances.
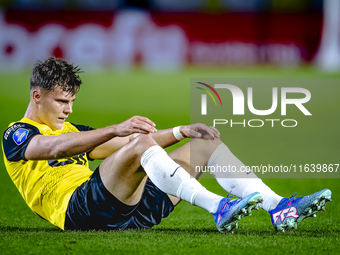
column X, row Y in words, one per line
column 199, row 130
column 136, row 124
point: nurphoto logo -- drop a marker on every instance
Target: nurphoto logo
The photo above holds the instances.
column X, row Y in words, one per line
column 238, row 107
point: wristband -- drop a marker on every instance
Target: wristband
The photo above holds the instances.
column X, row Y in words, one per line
column 177, row 133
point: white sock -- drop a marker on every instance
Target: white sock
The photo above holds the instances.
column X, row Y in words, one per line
column 172, row 179
column 238, row 183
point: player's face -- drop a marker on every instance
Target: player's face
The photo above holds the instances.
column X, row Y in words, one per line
column 55, row 106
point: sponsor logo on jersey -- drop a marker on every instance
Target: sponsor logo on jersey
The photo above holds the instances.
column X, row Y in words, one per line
column 20, row 136
column 285, row 213
column 12, row 128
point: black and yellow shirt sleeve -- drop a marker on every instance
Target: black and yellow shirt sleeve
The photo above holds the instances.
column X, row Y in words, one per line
column 16, row 138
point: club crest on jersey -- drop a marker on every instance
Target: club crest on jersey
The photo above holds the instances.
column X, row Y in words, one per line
column 285, row 213
column 20, row 136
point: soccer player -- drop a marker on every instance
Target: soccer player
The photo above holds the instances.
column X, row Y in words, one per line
column 138, row 183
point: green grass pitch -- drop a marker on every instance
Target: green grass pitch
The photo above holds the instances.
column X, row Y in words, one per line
column 109, row 97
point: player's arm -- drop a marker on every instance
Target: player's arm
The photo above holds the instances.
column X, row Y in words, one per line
column 163, row 137
column 66, row 145
column 166, row 137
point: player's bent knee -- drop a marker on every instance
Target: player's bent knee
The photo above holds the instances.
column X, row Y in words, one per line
column 142, row 142
column 204, row 144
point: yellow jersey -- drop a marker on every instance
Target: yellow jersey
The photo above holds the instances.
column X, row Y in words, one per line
column 45, row 185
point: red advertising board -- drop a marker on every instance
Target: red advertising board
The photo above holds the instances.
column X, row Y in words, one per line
column 159, row 40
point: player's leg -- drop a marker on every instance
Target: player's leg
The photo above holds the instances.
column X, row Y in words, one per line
column 237, row 181
column 125, row 180
column 121, row 173
column 122, row 176
column 200, row 155
column 229, row 211
column 212, row 153
column 285, row 213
